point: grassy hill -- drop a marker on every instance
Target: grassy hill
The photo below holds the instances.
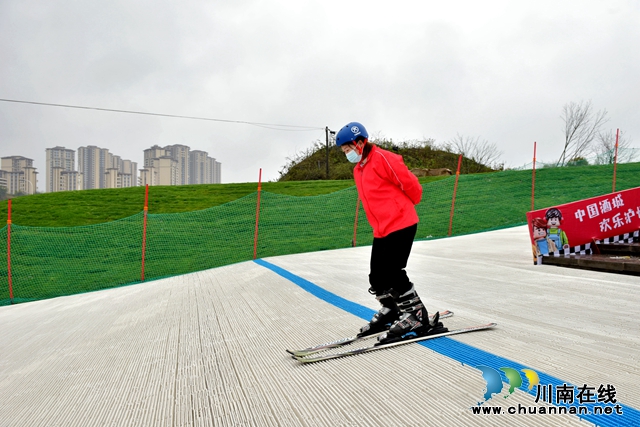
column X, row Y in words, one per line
column 76, row 208
column 192, row 228
column 311, row 164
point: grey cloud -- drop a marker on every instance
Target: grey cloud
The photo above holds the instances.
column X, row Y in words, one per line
column 501, row 71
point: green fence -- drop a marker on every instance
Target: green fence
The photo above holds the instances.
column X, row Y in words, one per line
column 53, row 261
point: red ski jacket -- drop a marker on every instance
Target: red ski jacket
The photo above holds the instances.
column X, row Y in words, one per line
column 388, row 190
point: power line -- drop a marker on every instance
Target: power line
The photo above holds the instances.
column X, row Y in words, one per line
column 273, row 126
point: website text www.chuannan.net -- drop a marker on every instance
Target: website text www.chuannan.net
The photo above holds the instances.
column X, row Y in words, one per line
column 547, row 410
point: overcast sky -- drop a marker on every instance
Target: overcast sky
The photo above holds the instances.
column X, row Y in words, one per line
column 500, row 70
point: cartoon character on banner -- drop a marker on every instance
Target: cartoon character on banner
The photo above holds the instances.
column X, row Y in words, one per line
column 554, row 232
column 543, row 245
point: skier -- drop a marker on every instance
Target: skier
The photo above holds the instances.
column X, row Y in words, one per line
column 389, row 192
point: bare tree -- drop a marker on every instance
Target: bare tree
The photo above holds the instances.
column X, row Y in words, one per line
column 605, row 148
column 299, row 156
column 480, row 151
column 581, row 126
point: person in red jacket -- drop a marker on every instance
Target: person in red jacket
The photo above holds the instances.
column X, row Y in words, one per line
column 389, row 192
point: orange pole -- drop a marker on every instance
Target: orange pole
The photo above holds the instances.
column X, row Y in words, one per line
column 453, row 200
column 255, row 235
column 355, row 224
column 9, row 253
column 144, row 227
column 533, row 176
column 615, row 161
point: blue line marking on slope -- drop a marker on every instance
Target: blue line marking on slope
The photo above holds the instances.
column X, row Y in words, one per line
column 333, row 299
column 469, row 355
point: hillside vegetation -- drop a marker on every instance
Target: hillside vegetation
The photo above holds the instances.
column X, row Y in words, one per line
column 311, row 164
column 193, row 228
column 88, row 207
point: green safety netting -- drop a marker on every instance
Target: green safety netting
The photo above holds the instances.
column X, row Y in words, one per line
column 54, row 261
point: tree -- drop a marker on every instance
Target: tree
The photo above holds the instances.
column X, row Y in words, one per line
column 3, row 193
column 480, row 151
column 581, row 126
column 605, row 148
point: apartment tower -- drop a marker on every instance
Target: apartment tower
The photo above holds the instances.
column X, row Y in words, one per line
column 59, row 159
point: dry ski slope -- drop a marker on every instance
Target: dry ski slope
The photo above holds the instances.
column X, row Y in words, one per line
column 208, row 348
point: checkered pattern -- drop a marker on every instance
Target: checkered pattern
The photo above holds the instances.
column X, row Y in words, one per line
column 622, row 238
column 587, row 250
column 575, row 250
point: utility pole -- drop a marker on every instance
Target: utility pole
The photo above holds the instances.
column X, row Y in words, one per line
column 326, row 135
column 327, row 131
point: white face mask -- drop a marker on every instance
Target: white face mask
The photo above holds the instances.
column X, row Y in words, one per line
column 353, row 156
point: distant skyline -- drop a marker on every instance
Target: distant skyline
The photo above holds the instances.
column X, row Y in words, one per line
column 42, row 188
column 498, row 70
column 91, row 167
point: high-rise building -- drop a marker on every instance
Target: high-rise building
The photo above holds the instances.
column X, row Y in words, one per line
column 106, row 162
column 167, row 168
column 148, row 176
column 203, row 169
column 129, row 168
column 119, row 177
column 160, row 167
column 186, row 167
column 214, row 171
column 59, row 159
column 180, row 153
column 18, row 175
column 161, row 171
column 55, row 175
column 6, row 180
column 102, row 169
column 71, row 181
column 111, row 178
column 217, row 172
column 30, row 180
column 15, row 163
column 198, row 167
column 126, row 180
column 152, row 153
column 92, row 163
column 116, row 162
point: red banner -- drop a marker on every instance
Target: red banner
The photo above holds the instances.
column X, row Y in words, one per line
column 572, row 227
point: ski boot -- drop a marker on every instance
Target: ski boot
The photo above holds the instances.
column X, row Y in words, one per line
column 413, row 322
column 385, row 317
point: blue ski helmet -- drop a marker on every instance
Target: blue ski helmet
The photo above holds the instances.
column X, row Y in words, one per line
column 350, row 132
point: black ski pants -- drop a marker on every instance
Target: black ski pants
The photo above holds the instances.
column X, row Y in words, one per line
column 389, row 257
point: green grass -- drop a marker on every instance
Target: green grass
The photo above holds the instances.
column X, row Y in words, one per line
column 66, row 243
column 76, row 208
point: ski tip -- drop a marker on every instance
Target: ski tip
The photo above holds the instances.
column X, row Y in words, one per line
column 297, row 353
column 305, row 361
